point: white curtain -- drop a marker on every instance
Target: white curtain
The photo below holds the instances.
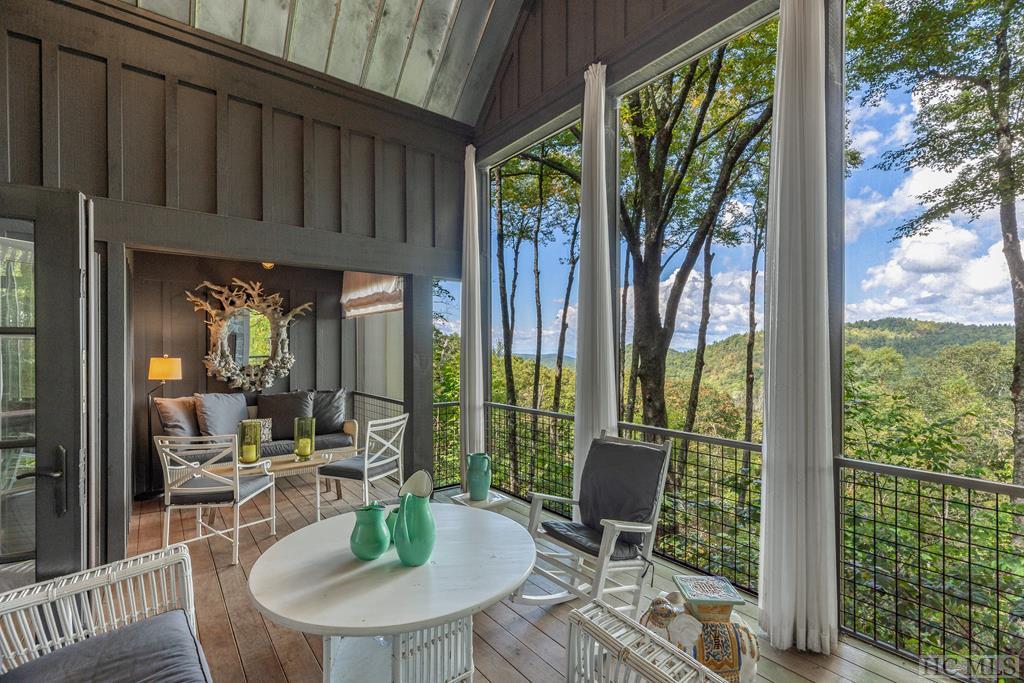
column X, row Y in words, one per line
column 595, row 350
column 471, row 392
column 798, row 541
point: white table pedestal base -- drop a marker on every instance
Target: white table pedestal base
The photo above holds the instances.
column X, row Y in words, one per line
column 436, row 654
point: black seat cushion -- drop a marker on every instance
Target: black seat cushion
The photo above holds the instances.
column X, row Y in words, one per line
column 620, row 481
column 321, row 442
column 329, row 411
column 161, row 649
column 247, row 486
column 352, row 468
column 283, row 409
column 588, row 540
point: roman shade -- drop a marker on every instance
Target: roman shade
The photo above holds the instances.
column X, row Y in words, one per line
column 365, row 294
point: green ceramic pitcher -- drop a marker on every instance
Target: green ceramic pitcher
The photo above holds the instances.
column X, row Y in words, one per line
column 414, row 530
column 370, row 537
column 478, row 474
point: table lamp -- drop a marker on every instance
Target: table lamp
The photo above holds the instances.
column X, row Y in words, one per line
column 161, row 369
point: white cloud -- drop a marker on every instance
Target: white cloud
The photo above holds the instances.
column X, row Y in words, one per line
column 939, row 276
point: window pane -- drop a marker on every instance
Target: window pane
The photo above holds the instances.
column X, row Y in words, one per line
column 17, row 387
column 17, row 284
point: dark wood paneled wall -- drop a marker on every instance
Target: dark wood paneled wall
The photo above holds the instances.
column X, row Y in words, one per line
column 164, row 322
column 102, row 99
column 540, row 77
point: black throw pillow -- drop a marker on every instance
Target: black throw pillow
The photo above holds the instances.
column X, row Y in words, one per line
column 282, row 409
column 329, row 411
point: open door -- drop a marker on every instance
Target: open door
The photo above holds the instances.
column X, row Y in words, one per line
column 44, row 364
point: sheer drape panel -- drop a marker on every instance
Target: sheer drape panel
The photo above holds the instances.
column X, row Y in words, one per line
column 798, row 558
column 471, row 382
column 595, row 350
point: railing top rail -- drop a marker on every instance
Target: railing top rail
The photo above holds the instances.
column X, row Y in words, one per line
column 377, row 397
column 996, row 487
column 445, row 404
column 690, row 436
column 529, row 411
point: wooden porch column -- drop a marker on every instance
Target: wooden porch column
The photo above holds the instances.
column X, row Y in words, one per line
column 419, row 390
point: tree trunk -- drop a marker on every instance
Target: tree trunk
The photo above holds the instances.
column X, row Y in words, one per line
column 556, row 396
column 1006, row 180
column 505, row 301
column 748, row 377
column 622, row 339
column 702, row 340
column 648, row 344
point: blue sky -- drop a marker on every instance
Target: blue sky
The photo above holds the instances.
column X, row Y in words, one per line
column 956, row 273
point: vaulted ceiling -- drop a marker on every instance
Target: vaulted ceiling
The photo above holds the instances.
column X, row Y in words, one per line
column 437, row 54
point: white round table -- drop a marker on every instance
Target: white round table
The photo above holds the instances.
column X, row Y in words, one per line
column 310, row 581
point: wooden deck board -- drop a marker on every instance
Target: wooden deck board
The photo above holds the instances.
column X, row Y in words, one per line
column 512, row 642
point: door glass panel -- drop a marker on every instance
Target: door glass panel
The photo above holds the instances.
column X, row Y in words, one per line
column 17, row 403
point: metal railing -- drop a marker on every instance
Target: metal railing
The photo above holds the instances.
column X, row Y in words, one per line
column 931, row 565
column 531, row 450
column 366, row 407
column 447, row 463
column 711, row 510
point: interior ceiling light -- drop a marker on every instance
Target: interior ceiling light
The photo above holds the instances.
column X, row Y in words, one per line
column 267, row 265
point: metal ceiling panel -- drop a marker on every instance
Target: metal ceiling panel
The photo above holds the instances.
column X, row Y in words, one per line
column 172, row 9
column 428, row 43
column 313, row 23
column 353, row 38
column 437, row 54
column 394, row 31
column 221, row 17
column 266, row 23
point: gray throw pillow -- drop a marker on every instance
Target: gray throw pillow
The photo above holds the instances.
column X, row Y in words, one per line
column 329, row 411
column 177, row 416
column 620, row 481
column 219, row 414
column 283, row 409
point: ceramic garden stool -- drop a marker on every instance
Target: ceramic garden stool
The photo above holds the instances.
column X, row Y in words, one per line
column 699, row 619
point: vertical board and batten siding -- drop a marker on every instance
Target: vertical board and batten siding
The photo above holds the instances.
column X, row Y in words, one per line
column 540, row 76
column 124, row 107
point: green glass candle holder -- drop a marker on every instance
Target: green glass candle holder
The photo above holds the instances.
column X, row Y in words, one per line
column 249, row 441
column 305, row 435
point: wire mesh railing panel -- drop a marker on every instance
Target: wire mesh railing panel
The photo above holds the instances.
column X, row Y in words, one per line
column 531, row 450
column 447, row 465
column 932, row 567
column 711, row 510
column 367, row 407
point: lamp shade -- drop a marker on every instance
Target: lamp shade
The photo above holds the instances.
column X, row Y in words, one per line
column 163, row 368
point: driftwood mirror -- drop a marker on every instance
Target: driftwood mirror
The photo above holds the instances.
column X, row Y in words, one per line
column 248, row 333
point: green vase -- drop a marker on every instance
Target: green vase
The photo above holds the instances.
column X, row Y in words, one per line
column 370, row 537
column 392, row 521
column 478, row 474
column 414, row 530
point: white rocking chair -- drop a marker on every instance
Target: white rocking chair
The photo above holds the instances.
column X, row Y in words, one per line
column 608, row 551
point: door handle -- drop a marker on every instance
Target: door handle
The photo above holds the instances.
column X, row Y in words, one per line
column 57, row 474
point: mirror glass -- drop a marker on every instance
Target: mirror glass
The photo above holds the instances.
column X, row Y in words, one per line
column 249, row 337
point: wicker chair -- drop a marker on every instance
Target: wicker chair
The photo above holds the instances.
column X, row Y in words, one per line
column 128, row 620
column 606, row 645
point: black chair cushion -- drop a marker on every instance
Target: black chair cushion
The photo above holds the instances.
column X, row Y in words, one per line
column 352, row 468
column 620, row 481
column 321, row 442
column 283, row 409
column 588, row 540
column 177, row 416
column 247, row 486
column 329, row 411
column 219, row 414
column 161, row 649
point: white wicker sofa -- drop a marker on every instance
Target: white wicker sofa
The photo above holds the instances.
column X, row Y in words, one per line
column 132, row 620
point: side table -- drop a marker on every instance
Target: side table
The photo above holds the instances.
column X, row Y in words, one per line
column 495, row 502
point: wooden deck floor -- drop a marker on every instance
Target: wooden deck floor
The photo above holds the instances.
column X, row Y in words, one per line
column 512, row 643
